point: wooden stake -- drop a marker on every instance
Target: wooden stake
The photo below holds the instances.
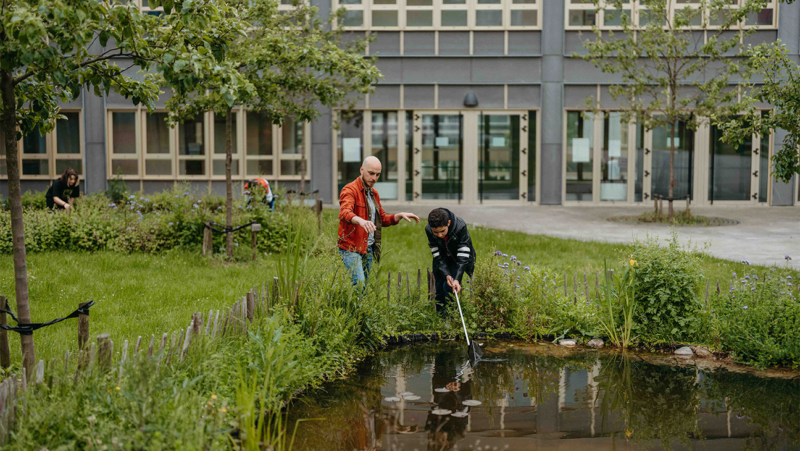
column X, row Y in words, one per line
column 83, row 328
column 388, row 286
column 138, row 344
column 123, row 358
column 163, row 349
column 408, row 286
column 197, row 324
column 718, row 290
column 39, row 373
column 5, row 351
column 275, row 291
column 104, row 351
column 208, row 241
column 66, row 362
column 187, row 340
column 150, row 348
column 251, row 305
column 419, row 283
column 209, row 321
column 585, row 287
column 216, row 324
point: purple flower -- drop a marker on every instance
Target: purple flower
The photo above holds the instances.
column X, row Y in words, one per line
column 132, row 197
column 745, row 307
column 734, row 274
column 787, row 258
column 169, row 223
column 753, row 289
column 746, row 262
column 112, row 204
column 747, row 277
column 789, row 284
column 755, row 277
column 128, row 228
column 147, row 200
column 498, row 253
column 194, row 205
column 513, row 257
column 505, row 265
column 199, row 201
column 789, row 277
column 744, row 281
column 519, row 263
column 527, row 268
column 505, row 255
column 500, row 266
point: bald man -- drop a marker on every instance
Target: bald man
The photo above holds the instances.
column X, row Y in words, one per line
column 360, row 220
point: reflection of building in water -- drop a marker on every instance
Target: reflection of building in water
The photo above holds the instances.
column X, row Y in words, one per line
column 575, row 414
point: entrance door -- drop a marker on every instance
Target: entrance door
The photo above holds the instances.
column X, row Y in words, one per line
column 683, row 162
column 738, row 173
column 438, row 156
column 499, row 175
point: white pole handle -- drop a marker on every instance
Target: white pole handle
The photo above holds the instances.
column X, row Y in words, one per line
column 462, row 317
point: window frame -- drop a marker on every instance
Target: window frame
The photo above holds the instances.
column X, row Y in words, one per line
column 111, row 155
column 158, row 156
column 236, row 154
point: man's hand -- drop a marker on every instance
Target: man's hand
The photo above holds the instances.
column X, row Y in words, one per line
column 407, row 216
column 454, row 284
column 369, row 226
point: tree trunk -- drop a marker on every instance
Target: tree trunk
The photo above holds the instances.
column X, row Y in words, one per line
column 228, row 183
column 671, row 191
column 17, row 225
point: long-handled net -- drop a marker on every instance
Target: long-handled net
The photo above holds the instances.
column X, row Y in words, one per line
column 473, row 350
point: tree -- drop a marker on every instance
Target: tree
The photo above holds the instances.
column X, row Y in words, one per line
column 666, row 70
column 773, row 77
column 288, row 64
column 49, row 50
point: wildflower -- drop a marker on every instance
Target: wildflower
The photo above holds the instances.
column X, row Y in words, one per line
column 633, row 262
column 753, row 289
column 746, row 262
column 747, row 277
column 734, row 274
column 223, row 410
column 500, row 266
column 117, row 388
column 744, row 281
column 112, row 204
column 755, row 277
column 505, row 255
column 789, row 284
column 213, row 396
column 527, row 268
column 789, row 277
column 513, row 257
column 787, row 258
column 169, row 223
column 194, row 205
column 498, row 253
column 147, row 200
column 745, row 307
column 505, row 265
column 519, row 263
column 132, row 197
column 128, row 228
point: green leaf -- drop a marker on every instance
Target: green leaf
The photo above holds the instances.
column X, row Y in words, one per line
column 168, row 58
column 153, row 4
column 104, row 36
column 180, row 64
column 229, row 99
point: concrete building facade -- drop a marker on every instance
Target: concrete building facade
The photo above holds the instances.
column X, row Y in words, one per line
column 481, row 102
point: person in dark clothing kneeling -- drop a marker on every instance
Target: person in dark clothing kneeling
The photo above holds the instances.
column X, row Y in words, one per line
column 453, row 254
column 62, row 193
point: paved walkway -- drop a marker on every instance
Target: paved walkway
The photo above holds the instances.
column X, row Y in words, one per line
column 764, row 236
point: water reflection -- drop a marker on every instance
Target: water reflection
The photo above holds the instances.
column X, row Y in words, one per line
column 420, row 398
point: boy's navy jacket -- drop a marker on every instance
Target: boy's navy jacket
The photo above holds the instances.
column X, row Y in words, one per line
column 457, row 249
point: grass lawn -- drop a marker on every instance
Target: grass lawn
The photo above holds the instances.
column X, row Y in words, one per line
column 144, row 294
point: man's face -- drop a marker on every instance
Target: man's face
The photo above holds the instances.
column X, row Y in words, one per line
column 370, row 173
column 441, row 232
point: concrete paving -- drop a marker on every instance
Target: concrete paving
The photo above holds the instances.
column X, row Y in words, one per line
column 764, row 236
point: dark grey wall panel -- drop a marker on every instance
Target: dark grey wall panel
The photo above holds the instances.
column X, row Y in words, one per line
column 575, row 96
column 34, row 186
column 391, row 68
column 573, row 41
column 162, row 98
column 358, row 97
column 506, row 70
column 432, row 70
column 324, row 8
column 608, row 102
column 452, row 96
column 321, row 128
column 94, row 134
column 386, row 43
column 133, row 185
column 524, row 42
column 580, row 71
column 156, row 186
column 418, row 96
column 488, row 43
column 385, row 97
column 454, row 43
column 788, row 31
column 528, row 97
column 76, row 103
column 761, row 37
column 552, row 108
column 419, row 43
column 321, row 170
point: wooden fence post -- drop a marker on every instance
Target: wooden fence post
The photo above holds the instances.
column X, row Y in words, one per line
column 5, row 351
column 318, row 208
column 275, row 291
column 419, row 283
column 585, row 287
column 104, row 350
column 208, row 240
column 251, row 305
column 431, row 286
column 408, row 286
column 83, row 333
column 388, row 286
column 254, row 229
column 197, row 324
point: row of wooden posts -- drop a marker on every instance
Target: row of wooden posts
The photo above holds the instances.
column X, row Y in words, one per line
column 99, row 355
column 208, row 234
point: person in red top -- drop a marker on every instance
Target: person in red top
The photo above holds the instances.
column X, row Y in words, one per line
column 360, row 220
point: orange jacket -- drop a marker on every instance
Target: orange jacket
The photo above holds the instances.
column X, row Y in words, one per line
column 353, row 202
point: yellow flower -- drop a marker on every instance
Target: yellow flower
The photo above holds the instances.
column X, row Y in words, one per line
column 223, row 410
column 628, row 433
column 213, row 396
column 633, row 262
column 117, row 388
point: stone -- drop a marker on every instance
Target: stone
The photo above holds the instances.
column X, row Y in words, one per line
column 595, row 343
column 568, row 342
column 703, row 352
column 684, row 351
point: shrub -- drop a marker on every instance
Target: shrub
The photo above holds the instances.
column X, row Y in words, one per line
column 667, row 284
column 492, row 292
column 758, row 320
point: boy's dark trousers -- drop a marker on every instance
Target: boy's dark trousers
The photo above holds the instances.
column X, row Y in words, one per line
column 443, row 290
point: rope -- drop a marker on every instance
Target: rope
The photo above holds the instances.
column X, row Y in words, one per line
column 225, row 229
column 27, row 329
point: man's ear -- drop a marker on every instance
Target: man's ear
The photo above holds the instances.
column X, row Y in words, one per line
column 448, row 224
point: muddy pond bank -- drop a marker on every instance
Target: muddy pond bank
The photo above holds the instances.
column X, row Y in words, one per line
column 539, row 396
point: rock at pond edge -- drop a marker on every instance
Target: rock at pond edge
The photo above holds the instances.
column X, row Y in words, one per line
column 684, row 351
column 568, row 342
column 702, row 351
column 595, row 343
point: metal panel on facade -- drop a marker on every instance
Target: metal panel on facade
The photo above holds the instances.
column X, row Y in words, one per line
column 454, row 43
column 385, row 43
column 155, row 186
column 575, row 96
column 524, row 96
column 434, row 70
column 392, row 69
column 419, row 43
column 486, row 43
column 385, row 97
column 524, row 42
column 418, row 96
column 506, row 70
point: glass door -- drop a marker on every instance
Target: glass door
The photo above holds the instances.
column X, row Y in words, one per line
column 440, row 167
column 738, row 173
column 499, row 156
column 684, row 162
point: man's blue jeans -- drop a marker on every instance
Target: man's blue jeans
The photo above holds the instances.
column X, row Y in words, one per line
column 358, row 265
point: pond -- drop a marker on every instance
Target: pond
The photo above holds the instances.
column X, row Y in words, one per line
column 541, row 396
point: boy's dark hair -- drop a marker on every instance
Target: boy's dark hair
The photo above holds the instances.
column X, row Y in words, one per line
column 438, row 218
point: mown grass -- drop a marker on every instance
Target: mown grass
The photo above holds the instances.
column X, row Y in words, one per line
column 141, row 294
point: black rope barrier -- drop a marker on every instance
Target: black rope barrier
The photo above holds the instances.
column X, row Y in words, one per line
column 27, row 329
column 223, row 229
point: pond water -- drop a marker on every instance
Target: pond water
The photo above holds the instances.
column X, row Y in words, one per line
column 541, row 397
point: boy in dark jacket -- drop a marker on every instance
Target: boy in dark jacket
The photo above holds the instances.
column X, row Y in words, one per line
column 453, row 254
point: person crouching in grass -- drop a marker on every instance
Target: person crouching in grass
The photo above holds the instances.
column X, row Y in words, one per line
column 453, row 254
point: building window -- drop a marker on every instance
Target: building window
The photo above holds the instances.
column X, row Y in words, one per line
column 44, row 157
column 124, row 144
column 579, row 157
column 220, row 142
column 349, row 148
column 158, row 146
column 440, row 14
column 583, row 14
column 384, row 139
